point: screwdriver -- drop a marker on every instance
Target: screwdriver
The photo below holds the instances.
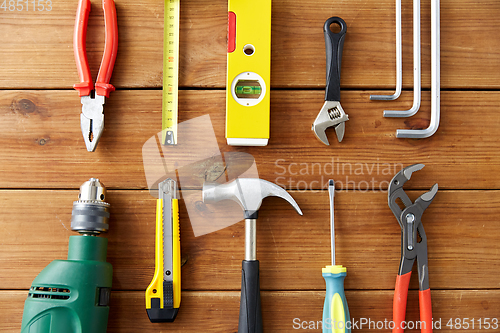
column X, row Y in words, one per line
column 336, row 317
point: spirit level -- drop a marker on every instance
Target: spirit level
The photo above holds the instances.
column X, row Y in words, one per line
column 248, row 73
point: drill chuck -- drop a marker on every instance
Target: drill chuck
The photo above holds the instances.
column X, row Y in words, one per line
column 91, row 213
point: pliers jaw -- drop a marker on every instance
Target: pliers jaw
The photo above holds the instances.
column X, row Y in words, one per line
column 92, row 120
column 396, row 190
column 331, row 114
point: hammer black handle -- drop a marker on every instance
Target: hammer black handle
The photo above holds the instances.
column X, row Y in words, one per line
column 250, row 311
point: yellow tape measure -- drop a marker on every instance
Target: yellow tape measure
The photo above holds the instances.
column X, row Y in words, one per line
column 170, row 72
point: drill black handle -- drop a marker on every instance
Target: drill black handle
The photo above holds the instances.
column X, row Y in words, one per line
column 250, row 311
column 334, row 44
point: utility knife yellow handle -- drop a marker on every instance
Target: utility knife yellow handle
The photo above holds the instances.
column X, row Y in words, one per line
column 155, row 293
column 176, row 253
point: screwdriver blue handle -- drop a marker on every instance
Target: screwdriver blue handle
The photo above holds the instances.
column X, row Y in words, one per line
column 336, row 318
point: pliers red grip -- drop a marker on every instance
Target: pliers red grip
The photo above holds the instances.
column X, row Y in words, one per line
column 410, row 220
column 399, row 305
column 102, row 86
column 92, row 118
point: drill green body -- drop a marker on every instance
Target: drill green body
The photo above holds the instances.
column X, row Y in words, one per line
column 87, row 276
column 72, row 296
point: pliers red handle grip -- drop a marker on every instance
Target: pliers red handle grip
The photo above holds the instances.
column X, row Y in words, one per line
column 399, row 305
column 102, row 86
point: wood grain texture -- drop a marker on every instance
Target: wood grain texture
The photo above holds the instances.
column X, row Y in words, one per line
column 461, row 227
column 43, row 146
column 43, row 161
column 282, row 311
column 37, row 50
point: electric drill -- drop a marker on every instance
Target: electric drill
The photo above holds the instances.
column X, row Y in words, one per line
column 72, row 296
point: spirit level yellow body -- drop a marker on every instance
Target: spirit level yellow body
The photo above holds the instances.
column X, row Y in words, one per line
column 248, row 73
column 163, row 296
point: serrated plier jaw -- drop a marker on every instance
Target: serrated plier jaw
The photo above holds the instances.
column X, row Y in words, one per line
column 92, row 120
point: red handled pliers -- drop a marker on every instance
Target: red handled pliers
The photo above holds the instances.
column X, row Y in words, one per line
column 411, row 227
column 92, row 117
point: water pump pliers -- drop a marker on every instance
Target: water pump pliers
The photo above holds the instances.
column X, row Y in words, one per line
column 413, row 246
column 92, row 116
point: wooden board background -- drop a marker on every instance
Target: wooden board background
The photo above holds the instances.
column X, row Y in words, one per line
column 43, row 161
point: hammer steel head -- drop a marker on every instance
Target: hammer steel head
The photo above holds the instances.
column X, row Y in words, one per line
column 247, row 192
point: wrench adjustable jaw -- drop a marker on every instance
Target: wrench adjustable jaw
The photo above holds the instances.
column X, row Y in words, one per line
column 331, row 114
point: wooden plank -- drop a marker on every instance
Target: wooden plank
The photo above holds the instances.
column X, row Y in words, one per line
column 461, row 227
column 43, row 146
column 282, row 311
column 37, row 46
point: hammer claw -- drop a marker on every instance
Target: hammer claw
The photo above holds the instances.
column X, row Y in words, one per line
column 247, row 192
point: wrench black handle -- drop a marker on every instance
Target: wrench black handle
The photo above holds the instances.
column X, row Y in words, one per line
column 334, row 43
column 250, row 311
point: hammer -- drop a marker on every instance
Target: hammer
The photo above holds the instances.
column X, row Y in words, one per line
column 248, row 193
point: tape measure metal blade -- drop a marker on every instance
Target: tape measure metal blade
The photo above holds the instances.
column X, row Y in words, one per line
column 170, row 72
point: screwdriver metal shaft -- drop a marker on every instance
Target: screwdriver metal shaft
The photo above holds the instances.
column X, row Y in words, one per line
column 331, row 192
column 336, row 316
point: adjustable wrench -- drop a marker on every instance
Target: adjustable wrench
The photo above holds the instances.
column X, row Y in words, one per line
column 331, row 113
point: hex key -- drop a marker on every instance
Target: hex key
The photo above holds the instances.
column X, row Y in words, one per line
column 435, row 80
column 399, row 61
column 417, row 85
